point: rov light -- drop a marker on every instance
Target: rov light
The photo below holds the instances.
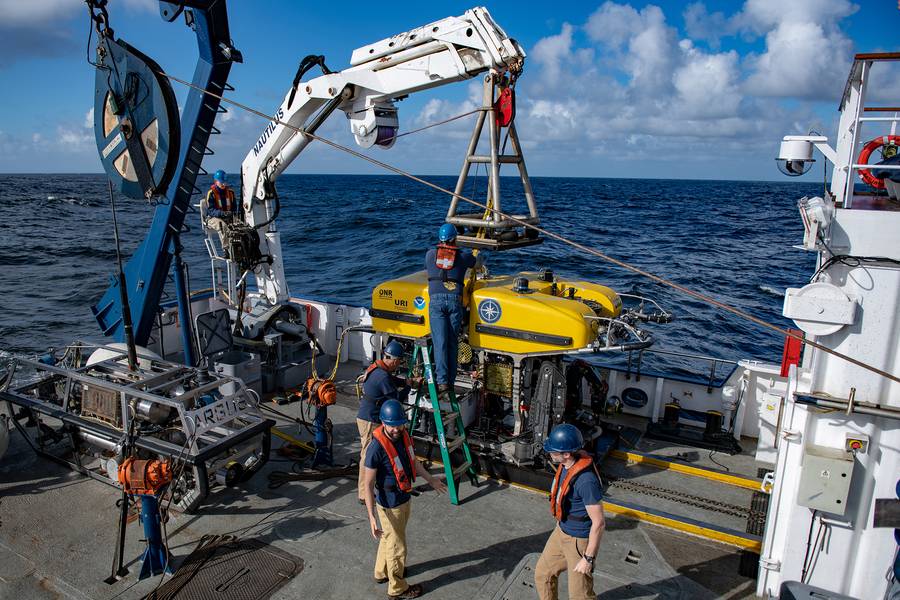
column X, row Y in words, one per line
column 795, row 156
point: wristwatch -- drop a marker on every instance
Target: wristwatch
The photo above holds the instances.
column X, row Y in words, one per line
column 590, row 560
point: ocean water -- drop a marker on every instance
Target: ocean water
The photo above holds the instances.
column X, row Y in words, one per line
column 344, row 234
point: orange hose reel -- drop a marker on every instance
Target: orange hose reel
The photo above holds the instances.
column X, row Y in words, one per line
column 144, row 476
column 321, row 392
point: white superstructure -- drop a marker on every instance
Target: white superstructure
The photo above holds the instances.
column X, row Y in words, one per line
column 838, row 442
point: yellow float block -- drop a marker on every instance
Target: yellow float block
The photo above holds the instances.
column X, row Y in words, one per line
column 548, row 317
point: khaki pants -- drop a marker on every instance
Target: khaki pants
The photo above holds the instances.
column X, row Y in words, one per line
column 220, row 226
column 562, row 553
column 391, row 558
column 365, row 438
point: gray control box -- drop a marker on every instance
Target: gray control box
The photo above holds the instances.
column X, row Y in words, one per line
column 825, row 479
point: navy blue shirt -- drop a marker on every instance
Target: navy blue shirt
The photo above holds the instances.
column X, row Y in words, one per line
column 379, row 387
column 585, row 490
column 456, row 275
column 387, row 494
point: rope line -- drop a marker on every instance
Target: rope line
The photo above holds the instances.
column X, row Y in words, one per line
column 586, row 249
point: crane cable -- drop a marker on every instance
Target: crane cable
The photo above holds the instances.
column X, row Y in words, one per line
column 586, row 249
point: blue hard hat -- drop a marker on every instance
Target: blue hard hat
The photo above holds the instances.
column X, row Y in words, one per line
column 219, row 175
column 564, row 438
column 394, row 349
column 392, row 414
column 447, row 232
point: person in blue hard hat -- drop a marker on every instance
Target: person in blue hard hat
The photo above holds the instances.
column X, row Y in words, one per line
column 221, row 208
column 446, row 267
column 391, row 471
column 378, row 384
column 575, row 503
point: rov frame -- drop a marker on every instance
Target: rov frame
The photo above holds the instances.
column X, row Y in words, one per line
column 217, row 435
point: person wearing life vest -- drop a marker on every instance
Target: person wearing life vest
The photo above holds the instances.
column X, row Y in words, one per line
column 575, row 503
column 391, row 471
column 379, row 384
column 221, row 208
column 446, row 267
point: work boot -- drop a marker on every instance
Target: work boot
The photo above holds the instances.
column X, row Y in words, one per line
column 444, row 387
column 413, row 591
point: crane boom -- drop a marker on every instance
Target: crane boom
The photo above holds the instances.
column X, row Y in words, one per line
column 446, row 51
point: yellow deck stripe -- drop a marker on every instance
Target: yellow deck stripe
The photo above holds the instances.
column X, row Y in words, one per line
column 648, row 517
column 698, row 530
column 727, row 478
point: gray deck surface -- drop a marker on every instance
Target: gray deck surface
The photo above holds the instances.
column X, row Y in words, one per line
column 57, row 532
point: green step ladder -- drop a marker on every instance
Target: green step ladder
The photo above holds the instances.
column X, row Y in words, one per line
column 448, row 444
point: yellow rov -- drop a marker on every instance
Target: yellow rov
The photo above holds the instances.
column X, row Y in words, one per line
column 530, row 313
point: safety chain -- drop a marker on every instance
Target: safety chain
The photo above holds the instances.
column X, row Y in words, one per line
column 687, row 499
column 99, row 16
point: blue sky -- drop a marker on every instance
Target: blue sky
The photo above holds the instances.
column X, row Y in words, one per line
column 611, row 89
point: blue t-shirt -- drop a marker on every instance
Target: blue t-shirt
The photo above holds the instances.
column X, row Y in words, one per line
column 378, row 387
column 585, row 490
column 456, row 275
column 387, row 494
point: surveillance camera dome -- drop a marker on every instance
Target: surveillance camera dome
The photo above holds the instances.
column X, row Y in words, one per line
column 794, row 168
column 795, row 157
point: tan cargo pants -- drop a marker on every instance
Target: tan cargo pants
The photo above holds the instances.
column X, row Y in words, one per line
column 365, row 438
column 562, row 553
column 391, row 558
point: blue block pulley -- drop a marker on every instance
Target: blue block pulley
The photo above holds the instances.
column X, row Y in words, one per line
column 136, row 121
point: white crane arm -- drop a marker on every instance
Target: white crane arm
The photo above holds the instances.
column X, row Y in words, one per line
column 446, row 51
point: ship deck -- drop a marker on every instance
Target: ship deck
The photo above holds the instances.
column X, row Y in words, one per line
column 58, row 530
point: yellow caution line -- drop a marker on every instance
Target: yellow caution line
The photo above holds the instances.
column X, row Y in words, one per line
column 679, row 525
column 727, row 478
column 649, row 517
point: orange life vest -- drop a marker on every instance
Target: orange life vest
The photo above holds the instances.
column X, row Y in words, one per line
column 404, row 481
column 221, row 201
column 375, row 365
column 558, row 492
column 445, row 257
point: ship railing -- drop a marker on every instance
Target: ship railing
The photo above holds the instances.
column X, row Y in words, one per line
column 634, row 365
column 853, row 100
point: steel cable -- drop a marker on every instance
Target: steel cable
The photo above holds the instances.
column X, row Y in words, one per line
column 586, row 249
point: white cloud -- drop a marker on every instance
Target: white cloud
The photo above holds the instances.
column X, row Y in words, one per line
column 40, row 12
column 32, row 12
column 550, row 51
column 627, row 85
column 807, row 55
column 89, row 118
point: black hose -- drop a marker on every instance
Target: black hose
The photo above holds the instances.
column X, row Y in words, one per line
column 279, row 478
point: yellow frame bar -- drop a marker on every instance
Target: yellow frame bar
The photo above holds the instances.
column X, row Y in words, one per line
column 661, row 463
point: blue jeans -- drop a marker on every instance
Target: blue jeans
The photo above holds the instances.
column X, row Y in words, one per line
column 445, row 313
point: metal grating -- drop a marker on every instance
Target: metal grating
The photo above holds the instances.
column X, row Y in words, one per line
column 225, row 568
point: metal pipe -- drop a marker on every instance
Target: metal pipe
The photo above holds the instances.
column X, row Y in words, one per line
column 523, row 173
column 96, row 440
column 495, row 151
column 857, row 407
column 123, row 288
column 184, row 305
column 503, row 159
column 464, row 172
column 504, row 224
